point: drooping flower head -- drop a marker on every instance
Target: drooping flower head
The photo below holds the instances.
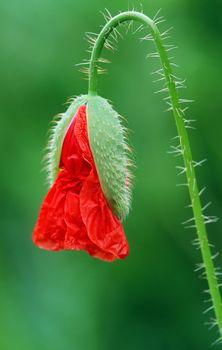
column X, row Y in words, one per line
column 89, row 183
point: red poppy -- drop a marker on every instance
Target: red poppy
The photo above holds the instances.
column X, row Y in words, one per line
column 75, row 214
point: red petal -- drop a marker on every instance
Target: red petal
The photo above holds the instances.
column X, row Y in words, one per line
column 76, row 236
column 71, row 156
column 104, row 229
column 50, row 229
column 81, row 134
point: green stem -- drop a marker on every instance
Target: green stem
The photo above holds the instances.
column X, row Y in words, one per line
column 183, row 137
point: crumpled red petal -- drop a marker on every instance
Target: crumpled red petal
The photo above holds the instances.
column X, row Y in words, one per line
column 75, row 214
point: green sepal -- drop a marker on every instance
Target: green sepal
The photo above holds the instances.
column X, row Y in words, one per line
column 110, row 151
column 56, row 138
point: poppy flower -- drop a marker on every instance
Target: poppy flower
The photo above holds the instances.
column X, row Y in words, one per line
column 89, row 195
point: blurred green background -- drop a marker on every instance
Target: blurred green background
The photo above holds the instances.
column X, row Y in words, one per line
column 153, row 300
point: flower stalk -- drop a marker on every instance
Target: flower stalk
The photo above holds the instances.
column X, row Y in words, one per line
column 184, row 147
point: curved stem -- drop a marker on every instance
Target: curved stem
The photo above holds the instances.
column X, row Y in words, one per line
column 183, row 137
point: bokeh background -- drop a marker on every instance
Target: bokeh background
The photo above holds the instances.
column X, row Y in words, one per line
column 68, row 300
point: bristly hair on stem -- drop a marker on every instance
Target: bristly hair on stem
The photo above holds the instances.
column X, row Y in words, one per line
column 172, row 85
